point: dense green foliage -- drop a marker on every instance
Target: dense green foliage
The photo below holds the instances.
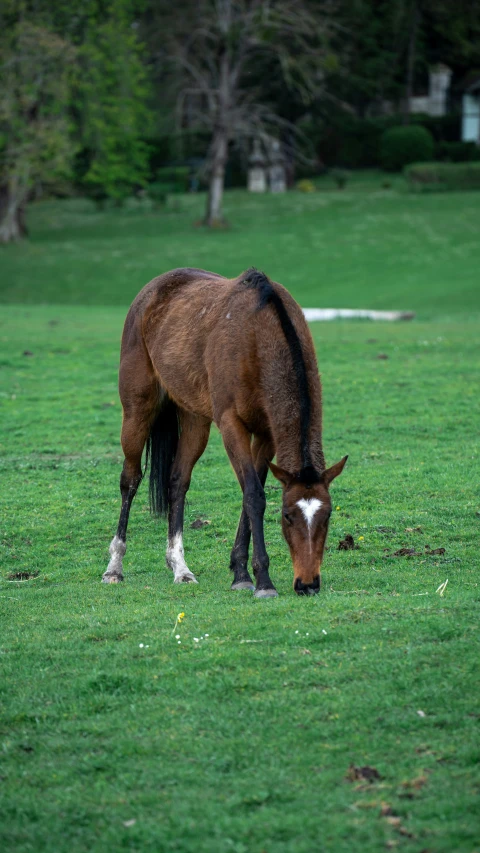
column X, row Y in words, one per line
column 458, row 152
column 400, row 146
column 443, row 176
column 114, row 119
column 384, row 39
column 73, row 104
column 35, row 132
column 243, row 740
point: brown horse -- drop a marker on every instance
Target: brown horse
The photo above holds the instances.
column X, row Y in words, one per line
column 198, row 348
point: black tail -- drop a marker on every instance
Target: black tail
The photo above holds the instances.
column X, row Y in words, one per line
column 162, row 446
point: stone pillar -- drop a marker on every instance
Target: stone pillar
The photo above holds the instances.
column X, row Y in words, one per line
column 438, row 86
column 257, row 179
column 277, row 176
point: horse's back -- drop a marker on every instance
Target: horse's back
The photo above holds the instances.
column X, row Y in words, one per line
column 210, row 344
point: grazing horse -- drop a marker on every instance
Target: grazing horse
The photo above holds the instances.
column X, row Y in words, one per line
column 198, row 348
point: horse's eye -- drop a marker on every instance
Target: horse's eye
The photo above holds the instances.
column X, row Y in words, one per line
column 287, row 517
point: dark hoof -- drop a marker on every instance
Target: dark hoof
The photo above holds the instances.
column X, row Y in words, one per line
column 243, row 585
column 266, row 593
column 112, row 578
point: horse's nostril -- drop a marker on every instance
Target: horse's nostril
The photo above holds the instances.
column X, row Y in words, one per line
column 307, row 588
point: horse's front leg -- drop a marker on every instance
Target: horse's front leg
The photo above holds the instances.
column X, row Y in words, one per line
column 237, row 444
column 262, row 453
column 192, row 442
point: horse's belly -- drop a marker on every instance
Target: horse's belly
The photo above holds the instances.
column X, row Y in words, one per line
column 178, row 359
column 186, row 384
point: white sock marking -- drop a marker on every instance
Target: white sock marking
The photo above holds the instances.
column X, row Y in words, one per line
column 309, row 507
column 176, row 560
column 117, row 550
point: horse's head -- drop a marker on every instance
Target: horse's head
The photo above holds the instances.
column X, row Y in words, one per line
column 306, row 513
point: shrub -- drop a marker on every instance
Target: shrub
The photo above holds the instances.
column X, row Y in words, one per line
column 340, row 176
column 175, row 176
column 351, row 142
column 158, row 192
column 400, row 146
column 306, row 186
column 443, row 128
column 458, row 152
column 443, row 176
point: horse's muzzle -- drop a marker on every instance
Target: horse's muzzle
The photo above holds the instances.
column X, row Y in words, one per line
column 307, row 588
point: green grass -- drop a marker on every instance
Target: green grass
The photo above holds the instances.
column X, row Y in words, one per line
column 242, row 741
column 362, row 247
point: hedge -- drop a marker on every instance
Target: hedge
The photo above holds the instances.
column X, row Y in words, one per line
column 350, row 142
column 443, row 176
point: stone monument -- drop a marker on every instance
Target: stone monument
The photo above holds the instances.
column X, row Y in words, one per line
column 277, row 175
column 257, row 178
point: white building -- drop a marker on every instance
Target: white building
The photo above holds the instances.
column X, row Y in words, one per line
column 471, row 111
column 436, row 102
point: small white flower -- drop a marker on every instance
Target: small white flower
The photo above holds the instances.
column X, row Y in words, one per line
column 177, row 636
column 140, row 645
column 306, row 634
column 323, row 631
column 421, row 713
column 207, row 635
column 195, row 639
column 296, row 632
column 179, row 642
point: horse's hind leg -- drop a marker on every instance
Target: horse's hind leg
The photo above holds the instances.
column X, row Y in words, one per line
column 139, row 408
column 194, row 432
column 262, row 453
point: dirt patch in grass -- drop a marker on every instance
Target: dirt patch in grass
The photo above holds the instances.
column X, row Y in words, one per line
column 365, row 774
column 22, row 576
column 198, row 523
column 347, row 544
column 410, row 552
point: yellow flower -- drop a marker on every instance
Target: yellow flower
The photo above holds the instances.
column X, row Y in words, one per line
column 360, row 538
column 337, row 507
column 178, row 620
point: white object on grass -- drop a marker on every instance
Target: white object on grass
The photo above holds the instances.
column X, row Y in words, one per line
column 313, row 314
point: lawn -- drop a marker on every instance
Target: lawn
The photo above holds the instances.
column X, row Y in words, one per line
column 362, row 247
column 115, row 735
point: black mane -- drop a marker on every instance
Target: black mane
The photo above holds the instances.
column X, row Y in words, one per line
column 257, row 280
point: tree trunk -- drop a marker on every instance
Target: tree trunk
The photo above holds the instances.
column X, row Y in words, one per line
column 213, row 215
column 12, row 213
column 412, row 44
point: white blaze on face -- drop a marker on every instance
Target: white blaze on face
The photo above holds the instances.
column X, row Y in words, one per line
column 309, row 507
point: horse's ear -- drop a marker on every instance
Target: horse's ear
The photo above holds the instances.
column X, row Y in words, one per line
column 334, row 471
column 280, row 473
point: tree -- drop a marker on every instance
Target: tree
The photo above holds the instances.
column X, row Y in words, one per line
column 213, row 64
column 35, row 140
column 112, row 106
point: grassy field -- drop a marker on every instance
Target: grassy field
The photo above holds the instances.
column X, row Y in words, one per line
column 363, row 247
column 115, row 735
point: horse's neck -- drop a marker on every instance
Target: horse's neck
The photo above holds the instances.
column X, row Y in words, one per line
column 285, row 426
